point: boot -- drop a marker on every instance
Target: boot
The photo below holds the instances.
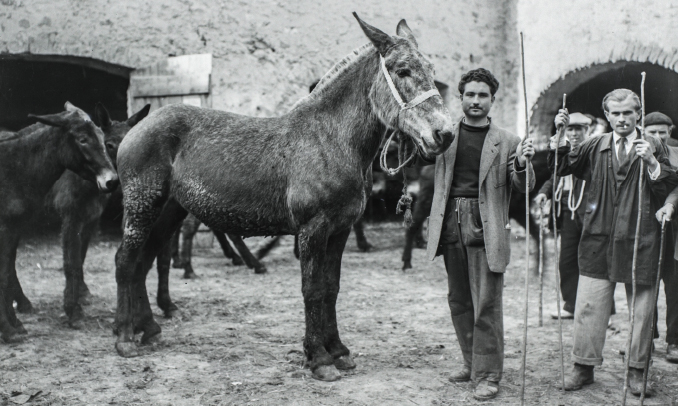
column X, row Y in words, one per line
column 581, row 375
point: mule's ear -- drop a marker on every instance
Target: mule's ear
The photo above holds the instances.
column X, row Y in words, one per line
column 71, row 108
column 138, row 116
column 380, row 39
column 55, row 120
column 404, row 31
column 102, row 116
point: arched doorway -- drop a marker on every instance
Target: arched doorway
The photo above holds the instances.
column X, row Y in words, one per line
column 586, row 88
column 41, row 84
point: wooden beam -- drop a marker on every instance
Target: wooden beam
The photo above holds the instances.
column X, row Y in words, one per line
column 169, row 85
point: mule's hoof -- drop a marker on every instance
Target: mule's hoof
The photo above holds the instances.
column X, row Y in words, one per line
column 344, row 363
column 190, row 275
column 13, row 337
column 20, row 329
column 170, row 310
column 327, row 373
column 127, row 349
column 365, row 247
column 76, row 324
column 177, row 264
column 24, row 306
column 153, row 340
column 260, row 269
column 85, row 299
column 237, row 261
column 407, row 265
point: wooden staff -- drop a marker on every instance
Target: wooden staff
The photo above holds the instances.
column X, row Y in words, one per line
column 541, row 265
column 656, row 297
column 527, row 230
column 641, row 177
column 559, row 133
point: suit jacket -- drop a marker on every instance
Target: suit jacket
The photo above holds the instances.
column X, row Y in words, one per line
column 497, row 177
column 606, row 247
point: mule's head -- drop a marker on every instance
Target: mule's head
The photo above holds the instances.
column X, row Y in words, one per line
column 428, row 123
column 115, row 131
column 84, row 151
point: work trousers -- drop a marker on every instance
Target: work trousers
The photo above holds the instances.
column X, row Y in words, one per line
column 670, row 278
column 592, row 312
column 475, row 292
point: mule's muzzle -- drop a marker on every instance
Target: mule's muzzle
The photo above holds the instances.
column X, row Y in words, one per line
column 108, row 181
column 438, row 142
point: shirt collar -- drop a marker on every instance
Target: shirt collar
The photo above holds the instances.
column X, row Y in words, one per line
column 630, row 138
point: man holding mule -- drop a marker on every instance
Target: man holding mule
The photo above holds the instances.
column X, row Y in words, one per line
column 469, row 226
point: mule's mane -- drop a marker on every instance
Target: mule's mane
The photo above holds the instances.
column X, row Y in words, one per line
column 336, row 71
column 13, row 135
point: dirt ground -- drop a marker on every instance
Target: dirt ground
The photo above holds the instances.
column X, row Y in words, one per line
column 239, row 338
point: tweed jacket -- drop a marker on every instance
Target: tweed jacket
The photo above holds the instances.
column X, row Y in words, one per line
column 497, row 178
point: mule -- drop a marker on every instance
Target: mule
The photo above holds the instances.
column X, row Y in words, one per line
column 308, row 167
column 80, row 204
column 30, row 164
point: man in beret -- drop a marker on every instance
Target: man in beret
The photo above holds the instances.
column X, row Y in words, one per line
column 661, row 125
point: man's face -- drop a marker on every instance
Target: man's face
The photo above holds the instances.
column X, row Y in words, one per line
column 662, row 131
column 476, row 101
column 577, row 132
column 622, row 116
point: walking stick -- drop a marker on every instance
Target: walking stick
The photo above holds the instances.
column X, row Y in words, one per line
column 559, row 134
column 527, row 231
column 656, row 297
column 636, row 242
column 541, row 265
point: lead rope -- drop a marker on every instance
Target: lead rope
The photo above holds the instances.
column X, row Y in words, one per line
column 570, row 199
column 405, row 203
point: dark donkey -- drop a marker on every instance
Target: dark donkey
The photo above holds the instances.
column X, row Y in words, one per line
column 302, row 174
column 80, row 205
column 30, row 164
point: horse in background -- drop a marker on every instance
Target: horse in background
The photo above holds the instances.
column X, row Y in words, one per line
column 309, row 165
column 31, row 162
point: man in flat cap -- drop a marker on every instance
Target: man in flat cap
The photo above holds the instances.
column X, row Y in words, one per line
column 571, row 192
column 611, row 164
column 661, row 125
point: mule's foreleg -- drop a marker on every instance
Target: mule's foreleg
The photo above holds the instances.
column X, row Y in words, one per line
column 85, row 238
column 188, row 231
column 312, row 247
column 71, row 231
column 174, row 244
column 10, row 328
column 361, row 240
column 163, row 265
column 332, row 271
column 226, row 248
column 246, row 254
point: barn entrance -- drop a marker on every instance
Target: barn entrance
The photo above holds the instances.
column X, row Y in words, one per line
column 41, row 84
column 586, row 88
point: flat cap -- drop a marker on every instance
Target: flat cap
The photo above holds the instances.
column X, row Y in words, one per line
column 656, row 118
column 580, row 119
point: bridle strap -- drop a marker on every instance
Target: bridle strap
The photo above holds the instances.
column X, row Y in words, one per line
column 412, row 103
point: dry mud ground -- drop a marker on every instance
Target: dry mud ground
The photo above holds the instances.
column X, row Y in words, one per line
column 239, row 339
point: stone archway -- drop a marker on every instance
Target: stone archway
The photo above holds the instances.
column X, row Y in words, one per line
column 586, row 88
column 41, row 84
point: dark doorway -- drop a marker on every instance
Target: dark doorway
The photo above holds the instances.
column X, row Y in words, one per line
column 42, row 84
column 586, row 88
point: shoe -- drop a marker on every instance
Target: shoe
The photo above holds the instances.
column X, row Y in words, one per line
column 486, row 390
column 623, row 351
column 672, row 353
column 636, row 383
column 564, row 314
column 581, row 375
column 464, row 375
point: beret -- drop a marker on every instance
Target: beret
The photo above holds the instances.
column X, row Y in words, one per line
column 656, row 118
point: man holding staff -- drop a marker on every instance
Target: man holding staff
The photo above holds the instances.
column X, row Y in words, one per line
column 610, row 163
column 469, row 226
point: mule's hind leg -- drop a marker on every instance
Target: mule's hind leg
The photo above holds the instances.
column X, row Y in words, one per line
column 8, row 321
column 228, row 251
column 312, row 247
column 174, row 244
column 85, row 296
column 361, row 240
column 188, row 231
column 71, row 233
column 332, row 272
column 246, row 254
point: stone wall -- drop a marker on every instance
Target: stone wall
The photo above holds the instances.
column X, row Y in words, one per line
column 267, row 53
column 566, row 44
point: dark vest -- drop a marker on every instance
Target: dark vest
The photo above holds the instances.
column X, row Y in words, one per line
column 620, row 171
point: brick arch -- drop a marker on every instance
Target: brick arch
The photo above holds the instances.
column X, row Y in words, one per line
column 550, row 99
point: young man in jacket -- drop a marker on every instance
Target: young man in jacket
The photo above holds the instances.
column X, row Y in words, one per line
column 611, row 164
column 469, row 226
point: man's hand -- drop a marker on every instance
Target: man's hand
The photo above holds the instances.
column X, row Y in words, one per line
column 645, row 151
column 562, row 119
column 665, row 213
column 525, row 151
column 540, row 199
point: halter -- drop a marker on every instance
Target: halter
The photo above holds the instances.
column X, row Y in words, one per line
column 405, row 202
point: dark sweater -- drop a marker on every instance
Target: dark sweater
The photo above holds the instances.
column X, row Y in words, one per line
column 465, row 181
